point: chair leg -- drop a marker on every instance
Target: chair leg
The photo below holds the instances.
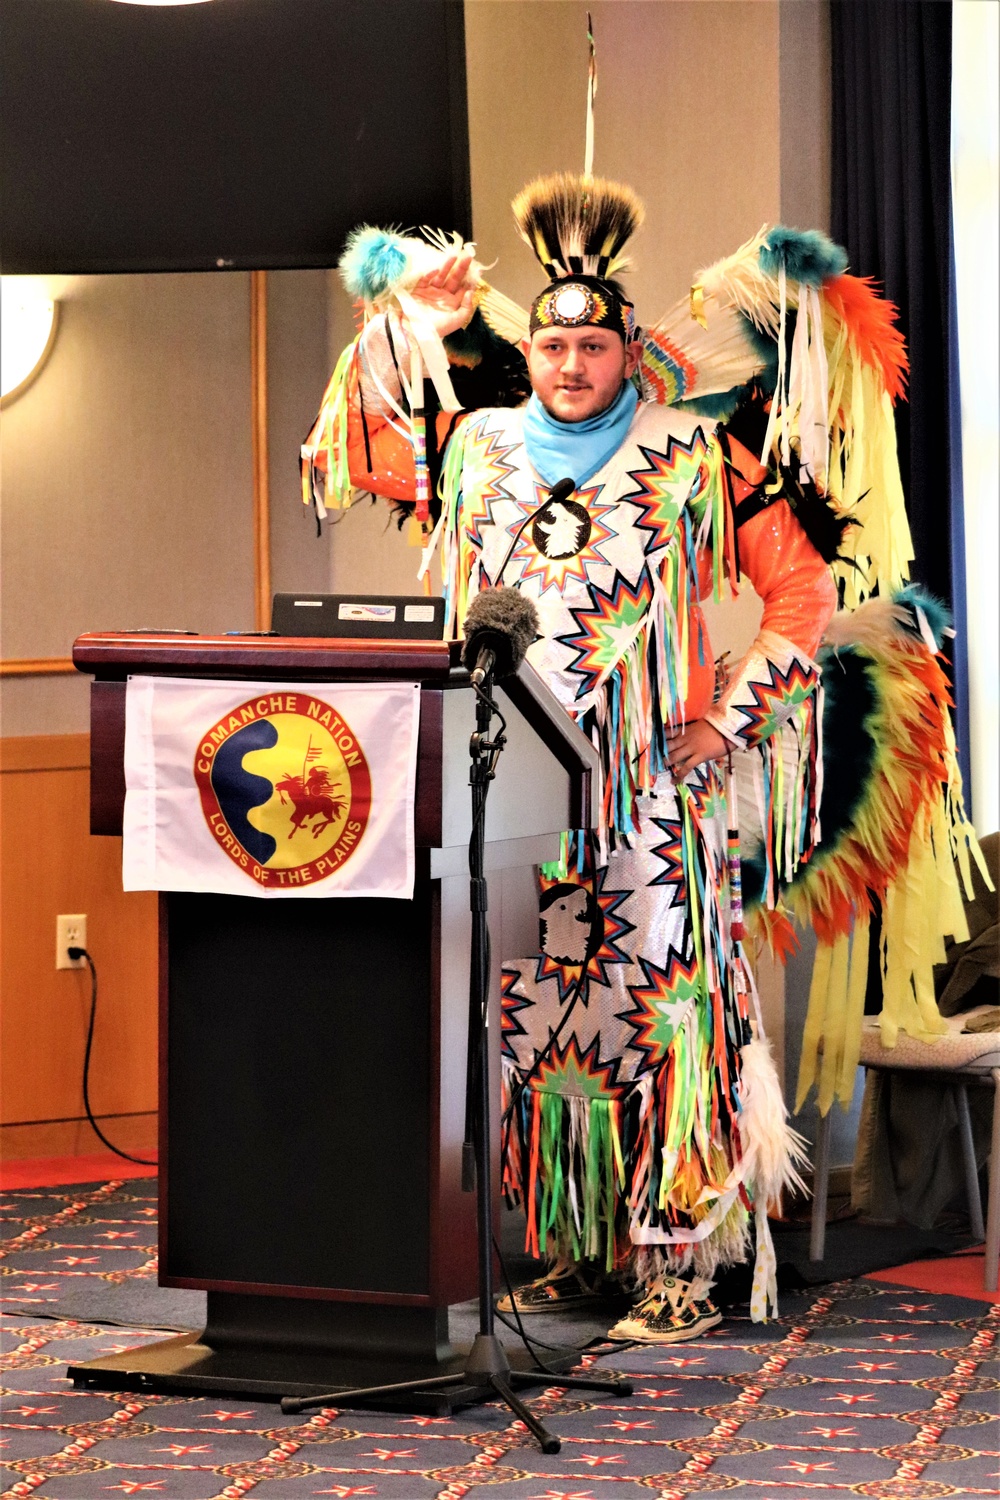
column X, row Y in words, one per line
column 969, row 1162
column 821, row 1184
column 993, row 1203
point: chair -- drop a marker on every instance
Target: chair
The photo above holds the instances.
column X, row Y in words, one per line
column 959, row 1058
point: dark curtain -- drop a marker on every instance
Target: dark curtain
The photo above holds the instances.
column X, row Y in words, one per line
column 891, row 210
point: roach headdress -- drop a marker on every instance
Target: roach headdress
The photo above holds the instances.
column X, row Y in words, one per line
column 578, row 228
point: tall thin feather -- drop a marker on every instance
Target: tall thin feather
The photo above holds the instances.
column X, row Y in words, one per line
column 588, row 155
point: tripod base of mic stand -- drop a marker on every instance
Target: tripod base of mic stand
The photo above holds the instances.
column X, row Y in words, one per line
column 487, row 1371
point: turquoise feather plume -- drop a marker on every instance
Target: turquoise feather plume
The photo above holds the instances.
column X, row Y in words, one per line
column 806, row 254
column 935, row 611
column 372, row 262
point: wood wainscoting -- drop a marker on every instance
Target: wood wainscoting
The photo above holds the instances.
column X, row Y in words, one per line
column 51, row 865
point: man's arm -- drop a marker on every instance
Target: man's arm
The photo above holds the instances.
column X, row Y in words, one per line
column 362, row 438
column 778, row 672
column 380, row 455
column 379, row 443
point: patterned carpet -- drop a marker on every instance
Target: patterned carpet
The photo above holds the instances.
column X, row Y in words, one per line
column 860, row 1388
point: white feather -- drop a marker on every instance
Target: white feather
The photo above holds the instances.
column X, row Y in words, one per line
column 715, row 355
column 505, row 316
column 771, row 1148
column 877, row 625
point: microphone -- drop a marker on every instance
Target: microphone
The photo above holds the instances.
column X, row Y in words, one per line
column 561, row 490
column 499, row 627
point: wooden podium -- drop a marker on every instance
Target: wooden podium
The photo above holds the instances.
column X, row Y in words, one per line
column 312, row 1053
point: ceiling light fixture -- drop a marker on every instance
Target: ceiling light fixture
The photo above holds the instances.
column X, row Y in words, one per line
column 28, row 317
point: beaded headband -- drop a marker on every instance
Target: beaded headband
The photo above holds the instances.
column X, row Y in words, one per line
column 580, row 301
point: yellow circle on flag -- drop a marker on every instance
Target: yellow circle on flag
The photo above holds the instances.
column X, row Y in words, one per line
column 285, row 788
column 308, row 809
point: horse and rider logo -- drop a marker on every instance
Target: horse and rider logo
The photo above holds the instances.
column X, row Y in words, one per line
column 285, row 788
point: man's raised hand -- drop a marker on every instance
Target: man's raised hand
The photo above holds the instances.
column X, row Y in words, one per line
column 446, row 296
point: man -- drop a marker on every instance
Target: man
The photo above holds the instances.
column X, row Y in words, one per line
column 640, row 1108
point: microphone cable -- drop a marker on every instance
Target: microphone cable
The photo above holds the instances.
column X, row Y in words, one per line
column 532, row 1345
column 76, row 954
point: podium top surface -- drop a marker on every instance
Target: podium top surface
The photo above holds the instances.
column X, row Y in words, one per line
column 116, row 654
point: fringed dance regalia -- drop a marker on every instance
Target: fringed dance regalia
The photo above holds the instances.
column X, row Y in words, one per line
column 646, row 1123
column 632, row 1130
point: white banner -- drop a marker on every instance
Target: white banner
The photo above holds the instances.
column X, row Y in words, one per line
column 270, row 789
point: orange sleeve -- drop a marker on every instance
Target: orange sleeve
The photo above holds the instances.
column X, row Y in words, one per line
column 379, row 457
column 778, row 674
column 788, row 573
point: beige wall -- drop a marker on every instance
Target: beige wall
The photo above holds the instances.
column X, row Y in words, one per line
column 126, row 466
column 126, row 474
column 804, row 112
column 126, row 470
column 298, row 345
column 687, row 113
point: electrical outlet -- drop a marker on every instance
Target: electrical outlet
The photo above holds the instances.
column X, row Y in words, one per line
column 71, row 932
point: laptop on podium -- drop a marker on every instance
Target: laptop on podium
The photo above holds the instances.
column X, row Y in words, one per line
column 390, row 616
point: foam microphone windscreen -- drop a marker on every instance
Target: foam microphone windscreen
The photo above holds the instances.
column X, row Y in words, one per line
column 503, row 621
column 561, row 490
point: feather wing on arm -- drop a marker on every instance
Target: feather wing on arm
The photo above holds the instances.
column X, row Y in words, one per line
column 824, row 349
column 684, row 359
column 371, row 434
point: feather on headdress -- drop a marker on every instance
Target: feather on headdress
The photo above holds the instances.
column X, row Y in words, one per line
column 577, row 225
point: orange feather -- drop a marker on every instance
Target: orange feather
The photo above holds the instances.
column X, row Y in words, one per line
column 871, row 323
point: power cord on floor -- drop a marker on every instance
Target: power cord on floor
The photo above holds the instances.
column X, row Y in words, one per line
column 76, row 954
column 532, row 1345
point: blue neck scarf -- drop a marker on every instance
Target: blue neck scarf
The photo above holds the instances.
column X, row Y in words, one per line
column 576, row 450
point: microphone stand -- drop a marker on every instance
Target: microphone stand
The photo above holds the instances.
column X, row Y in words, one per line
column 487, row 1371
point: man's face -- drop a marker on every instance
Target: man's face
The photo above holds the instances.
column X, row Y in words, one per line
column 578, row 372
